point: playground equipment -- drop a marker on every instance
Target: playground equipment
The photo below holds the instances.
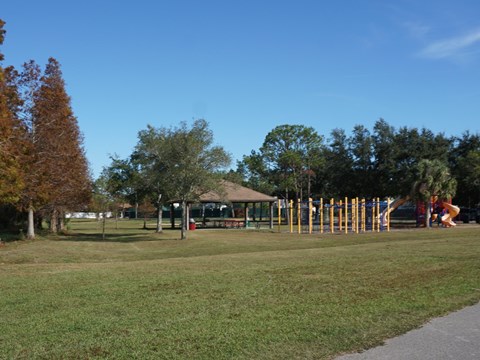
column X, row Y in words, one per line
column 453, row 211
column 393, row 206
column 349, row 215
column 448, row 213
column 353, row 215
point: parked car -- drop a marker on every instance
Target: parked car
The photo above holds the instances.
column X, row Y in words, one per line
column 469, row 214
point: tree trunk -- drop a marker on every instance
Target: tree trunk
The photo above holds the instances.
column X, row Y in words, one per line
column 104, row 221
column 145, row 216
column 37, row 222
column 54, row 221
column 159, row 219
column 31, row 227
column 427, row 214
column 159, row 214
column 61, row 221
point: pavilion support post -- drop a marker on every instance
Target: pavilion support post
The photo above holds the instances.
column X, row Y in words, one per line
column 172, row 215
column 270, row 208
column 203, row 215
column 189, row 216
column 186, row 217
column 245, row 218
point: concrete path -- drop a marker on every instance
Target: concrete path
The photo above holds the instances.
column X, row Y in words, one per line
column 455, row 336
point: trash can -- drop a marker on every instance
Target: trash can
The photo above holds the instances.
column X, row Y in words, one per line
column 192, row 225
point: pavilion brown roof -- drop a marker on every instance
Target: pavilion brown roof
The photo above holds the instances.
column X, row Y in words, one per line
column 235, row 193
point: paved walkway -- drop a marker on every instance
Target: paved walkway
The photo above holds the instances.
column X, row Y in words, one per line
column 455, row 336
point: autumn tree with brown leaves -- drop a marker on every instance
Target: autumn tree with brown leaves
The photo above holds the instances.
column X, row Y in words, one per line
column 11, row 182
column 58, row 149
column 43, row 167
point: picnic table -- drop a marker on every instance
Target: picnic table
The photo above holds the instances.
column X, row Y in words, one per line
column 224, row 223
column 233, row 224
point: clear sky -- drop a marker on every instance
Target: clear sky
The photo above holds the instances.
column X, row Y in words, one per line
column 248, row 66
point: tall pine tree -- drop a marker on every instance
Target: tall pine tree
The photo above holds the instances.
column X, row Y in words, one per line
column 58, row 147
column 11, row 181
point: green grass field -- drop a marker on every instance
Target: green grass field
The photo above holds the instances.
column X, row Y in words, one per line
column 226, row 294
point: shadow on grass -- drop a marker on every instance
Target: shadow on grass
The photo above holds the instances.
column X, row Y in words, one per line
column 6, row 237
column 122, row 237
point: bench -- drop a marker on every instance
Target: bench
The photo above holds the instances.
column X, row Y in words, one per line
column 237, row 224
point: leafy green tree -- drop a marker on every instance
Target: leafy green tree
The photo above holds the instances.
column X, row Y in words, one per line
column 412, row 146
column 233, row 176
column 115, row 183
column 469, row 177
column 384, row 163
column 179, row 163
column 432, row 179
column 193, row 163
column 149, row 160
column 339, row 167
column 255, row 175
column 464, row 163
column 102, row 201
column 290, row 154
column 361, row 148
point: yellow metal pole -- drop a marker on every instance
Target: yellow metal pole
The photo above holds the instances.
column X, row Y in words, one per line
column 340, row 216
column 346, row 215
column 378, row 214
column 299, row 216
column 321, row 215
column 279, row 215
column 310, row 222
column 363, row 215
column 291, row 216
column 352, row 210
column 332, row 220
column 356, row 215
column 357, row 222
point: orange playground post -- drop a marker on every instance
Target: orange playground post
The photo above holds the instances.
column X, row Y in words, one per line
column 346, row 215
column 332, row 219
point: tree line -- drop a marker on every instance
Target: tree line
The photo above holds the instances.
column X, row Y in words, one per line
column 295, row 162
column 43, row 168
column 44, row 171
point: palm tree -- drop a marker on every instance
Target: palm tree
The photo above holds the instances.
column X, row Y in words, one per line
column 432, row 179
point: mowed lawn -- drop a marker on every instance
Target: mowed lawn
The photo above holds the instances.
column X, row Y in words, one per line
column 227, row 294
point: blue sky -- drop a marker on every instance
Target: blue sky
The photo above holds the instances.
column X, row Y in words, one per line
column 248, row 66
